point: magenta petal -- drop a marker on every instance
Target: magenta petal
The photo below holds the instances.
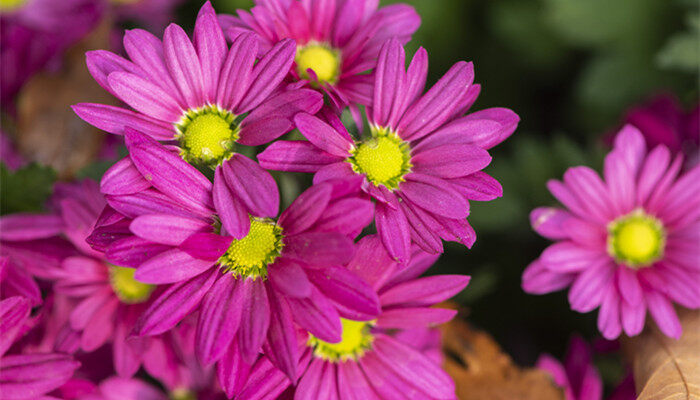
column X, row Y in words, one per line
column 317, row 315
column 123, row 178
column 389, row 81
column 114, row 119
column 289, row 278
column 206, row 246
column 549, row 222
column 352, row 380
column 21, row 227
column 132, row 251
column 323, row 135
column 268, row 73
column 235, row 73
column 424, row 291
column 590, row 286
column 306, row 209
column 265, row 381
column 295, row 156
column 451, row 160
column 282, row 347
column 127, row 354
column 174, row 304
column 633, row 317
column 171, row 266
column 144, row 96
column 629, row 286
column 146, row 51
column 14, row 312
column 262, row 198
column 319, row 249
column 318, row 382
column 538, row 279
column 28, row 376
column 211, row 48
column 568, row 256
column 414, row 317
column 18, row 282
column 232, row 371
column 354, row 298
column 371, row 262
column 219, row 319
column 424, row 228
column 486, row 139
column 394, row 230
column 122, row 388
column 184, row 65
column 609, row 314
column 348, row 216
column 255, row 319
column 435, row 195
column 101, row 63
column 664, row 315
column 233, row 215
column 167, row 229
column 478, row 186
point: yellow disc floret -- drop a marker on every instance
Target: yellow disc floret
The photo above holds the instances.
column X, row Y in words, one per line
column 8, row 5
column 636, row 239
column 355, row 341
column 128, row 289
column 384, row 159
column 324, row 61
column 250, row 256
column 207, row 135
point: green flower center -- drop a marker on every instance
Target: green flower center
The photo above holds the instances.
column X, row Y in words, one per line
column 9, row 5
column 128, row 289
column 384, row 158
column 207, row 135
column 323, row 60
column 250, row 256
column 355, row 341
column 636, row 239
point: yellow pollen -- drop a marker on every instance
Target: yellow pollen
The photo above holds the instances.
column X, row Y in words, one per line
column 356, row 339
column 324, row 61
column 182, row 394
column 8, row 5
column 636, row 239
column 207, row 135
column 250, row 256
column 128, row 289
column 384, row 159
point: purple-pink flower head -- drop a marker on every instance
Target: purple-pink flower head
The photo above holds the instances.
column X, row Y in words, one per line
column 422, row 160
column 205, row 95
column 577, row 376
column 337, row 41
column 391, row 354
column 222, row 249
column 627, row 244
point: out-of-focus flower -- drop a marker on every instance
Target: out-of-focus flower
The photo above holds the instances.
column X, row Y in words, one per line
column 337, row 42
column 394, row 353
column 627, row 244
column 220, row 246
column 27, row 376
column 154, row 15
column 423, row 159
column 205, row 95
column 662, row 120
column 8, row 153
column 577, row 376
column 34, row 33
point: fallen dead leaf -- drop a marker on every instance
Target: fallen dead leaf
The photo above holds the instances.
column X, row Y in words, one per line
column 481, row 370
column 665, row 368
column 48, row 131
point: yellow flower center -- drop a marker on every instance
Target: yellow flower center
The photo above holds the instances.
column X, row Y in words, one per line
column 182, row 394
column 128, row 289
column 636, row 239
column 250, row 256
column 9, row 5
column 385, row 159
column 355, row 341
column 207, row 135
column 324, row 61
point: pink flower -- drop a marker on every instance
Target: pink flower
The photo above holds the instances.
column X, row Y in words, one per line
column 153, row 14
column 423, row 159
column 577, row 376
column 337, row 42
column 627, row 244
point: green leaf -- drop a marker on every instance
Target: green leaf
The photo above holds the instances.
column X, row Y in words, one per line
column 682, row 51
column 25, row 190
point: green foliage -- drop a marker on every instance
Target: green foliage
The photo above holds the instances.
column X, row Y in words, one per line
column 682, row 51
column 25, row 190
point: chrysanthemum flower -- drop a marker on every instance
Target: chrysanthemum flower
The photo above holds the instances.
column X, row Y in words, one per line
column 201, row 93
column 577, row 376
column 627, row 244
column 220, row 246
column 337, row 42
column 27, row 376
column 379, row 358
column 422, row 161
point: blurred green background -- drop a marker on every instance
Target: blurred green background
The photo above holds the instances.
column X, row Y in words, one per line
column 569, row 68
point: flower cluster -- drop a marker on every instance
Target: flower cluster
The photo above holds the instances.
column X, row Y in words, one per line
column 184, row 262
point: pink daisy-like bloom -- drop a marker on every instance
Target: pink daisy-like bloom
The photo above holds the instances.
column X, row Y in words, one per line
column 201, row 93
column 337, row 41
column 377, row 359
column 627, row 244
column 422, row 161
column 27, row 376
column 577, row 376
column 220, row 246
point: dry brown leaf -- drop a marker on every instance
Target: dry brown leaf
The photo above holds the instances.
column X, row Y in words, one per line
column 48, row 131
column 481, row 370
column 665, row 368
